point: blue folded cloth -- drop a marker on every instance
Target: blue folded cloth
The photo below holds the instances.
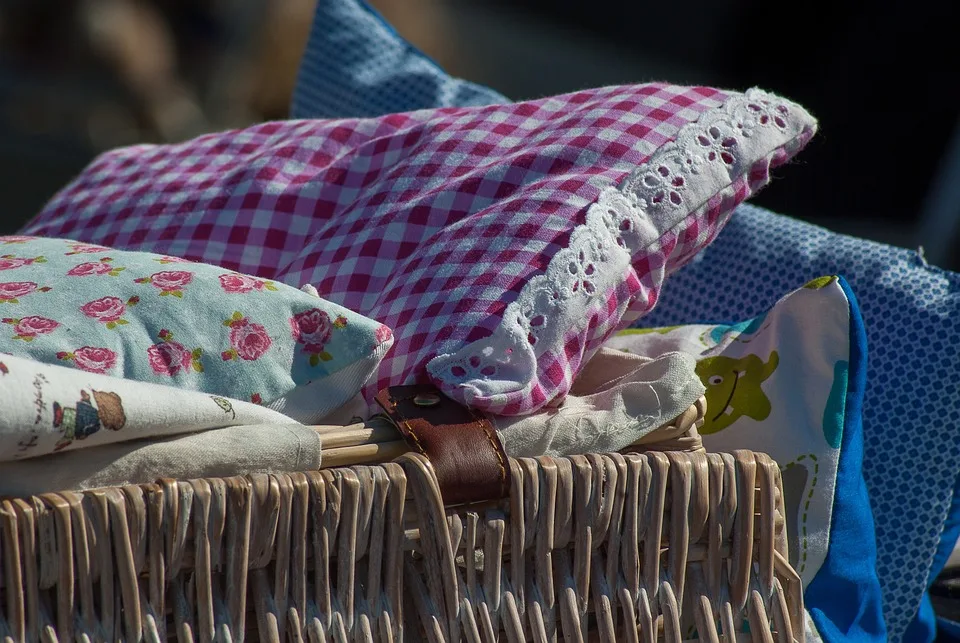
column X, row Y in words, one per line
column 355, row 64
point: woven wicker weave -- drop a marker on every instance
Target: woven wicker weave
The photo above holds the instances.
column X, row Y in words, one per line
column 634, row 547
column 668, row 543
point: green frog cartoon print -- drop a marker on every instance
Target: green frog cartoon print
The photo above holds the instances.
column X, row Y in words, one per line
column 84, row 419
column 820, row 282
column 733, row 389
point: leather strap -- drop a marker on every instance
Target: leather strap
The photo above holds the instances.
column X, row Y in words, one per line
column 462, row 446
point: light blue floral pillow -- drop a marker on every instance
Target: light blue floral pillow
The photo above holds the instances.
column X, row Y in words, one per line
column 161, row 319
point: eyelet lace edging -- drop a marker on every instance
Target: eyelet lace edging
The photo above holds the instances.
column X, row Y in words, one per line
column 626, row 221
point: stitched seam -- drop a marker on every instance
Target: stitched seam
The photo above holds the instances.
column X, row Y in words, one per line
column 416, row 439
column 503, row 469
column 485, row 426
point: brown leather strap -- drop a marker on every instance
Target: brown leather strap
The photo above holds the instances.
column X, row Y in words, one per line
column 463, row 447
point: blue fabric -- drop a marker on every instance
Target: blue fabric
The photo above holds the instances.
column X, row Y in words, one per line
column 926, row 626
column 355, row 64
column 844, row 598
column 923, row 627
column 951, row 534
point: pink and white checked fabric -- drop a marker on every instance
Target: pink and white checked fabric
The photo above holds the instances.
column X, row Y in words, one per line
column 433, row 222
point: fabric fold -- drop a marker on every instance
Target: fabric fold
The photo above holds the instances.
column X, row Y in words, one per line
column 617, row 399
column 230, row 451
column 46, row 409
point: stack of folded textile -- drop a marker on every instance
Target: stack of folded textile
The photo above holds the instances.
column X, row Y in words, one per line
column 187, row 310
column 306, row 265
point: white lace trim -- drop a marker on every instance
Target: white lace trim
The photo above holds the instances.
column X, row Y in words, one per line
column 680, row 177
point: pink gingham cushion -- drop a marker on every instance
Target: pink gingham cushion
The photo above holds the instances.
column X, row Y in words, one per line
column 503, row 244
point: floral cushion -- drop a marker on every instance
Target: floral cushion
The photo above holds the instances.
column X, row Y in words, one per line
column 166, row 320
column 502, row 244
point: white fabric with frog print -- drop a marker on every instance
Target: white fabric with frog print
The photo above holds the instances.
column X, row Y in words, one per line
column 776, row 384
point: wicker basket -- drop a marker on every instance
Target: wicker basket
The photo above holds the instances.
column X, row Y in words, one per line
column 655, row 545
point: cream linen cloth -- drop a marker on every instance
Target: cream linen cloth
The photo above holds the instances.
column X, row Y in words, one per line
column 214, row 453
column 616, row 400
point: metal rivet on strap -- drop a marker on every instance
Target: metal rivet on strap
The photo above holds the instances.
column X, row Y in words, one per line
column 426, row 399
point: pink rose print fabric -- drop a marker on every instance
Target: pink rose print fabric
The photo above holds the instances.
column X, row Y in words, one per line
column 9, row 262
column 108, row 310
column 28, row 328
column 95, row 268
column 241, row 284
column 312, row 328
column 159, row 319
column 85, row 249
column 248, row 341
column 167, row 260
column 170, row 282
column 382, row 334
column 91, row 359
column 170, row 358
column 12, row 291
column 105, row 309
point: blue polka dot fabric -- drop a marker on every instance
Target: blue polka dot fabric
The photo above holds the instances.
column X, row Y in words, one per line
column 911, row 409
column 355, row 64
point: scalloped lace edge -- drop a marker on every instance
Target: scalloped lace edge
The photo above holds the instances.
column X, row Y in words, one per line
column 708, row 155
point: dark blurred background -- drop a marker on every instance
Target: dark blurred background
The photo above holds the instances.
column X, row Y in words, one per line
column 81, row 76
